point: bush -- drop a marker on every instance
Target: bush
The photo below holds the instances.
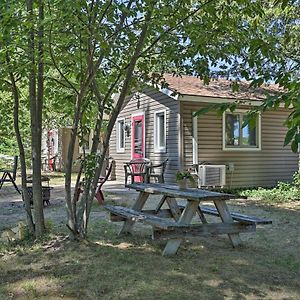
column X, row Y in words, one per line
column 296, row 179
column 282, row 192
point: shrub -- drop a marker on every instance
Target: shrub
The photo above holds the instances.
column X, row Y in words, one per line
column 296, row 179
column 282, row 192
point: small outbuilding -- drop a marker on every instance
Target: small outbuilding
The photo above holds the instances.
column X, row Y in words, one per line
column 158, row 124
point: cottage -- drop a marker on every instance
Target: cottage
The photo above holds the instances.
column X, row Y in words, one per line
column 158, row 125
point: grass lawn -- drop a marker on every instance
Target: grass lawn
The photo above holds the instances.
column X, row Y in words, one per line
column 267, row 266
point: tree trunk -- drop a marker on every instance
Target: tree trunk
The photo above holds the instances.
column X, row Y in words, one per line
column 74, row 225
column 89, row 191
column 25, row 195
column 71, row 205
column 36, row 104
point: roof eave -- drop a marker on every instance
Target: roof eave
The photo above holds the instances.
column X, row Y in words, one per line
column 209, row 99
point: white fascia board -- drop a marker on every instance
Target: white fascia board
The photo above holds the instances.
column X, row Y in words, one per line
column 169, row 93
column 219, row 100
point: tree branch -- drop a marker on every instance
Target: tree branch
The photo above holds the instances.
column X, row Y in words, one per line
column 54, row 61
column 174, row 27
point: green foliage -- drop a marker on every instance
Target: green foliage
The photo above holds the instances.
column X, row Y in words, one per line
column 282, row 192
column 296, row 179
column 98, row 40
column 269, row 52
column 182, row 175
column 8, row 143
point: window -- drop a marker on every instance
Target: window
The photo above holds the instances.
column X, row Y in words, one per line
column 160, row 131
column 237, row 137
column 120, row 135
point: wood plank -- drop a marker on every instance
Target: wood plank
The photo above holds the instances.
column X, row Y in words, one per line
column 236, row 216
column 161, row 203
column 175, row 209
column 134, row 216
column 201, row 215
column 137, row 206
column 186, row 217
column 175, row 192
column 163, row 213
column 203, row 230
column 116, row 218
column 226, row 218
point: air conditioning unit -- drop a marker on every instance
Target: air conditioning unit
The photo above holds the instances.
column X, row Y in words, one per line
column 211, row 175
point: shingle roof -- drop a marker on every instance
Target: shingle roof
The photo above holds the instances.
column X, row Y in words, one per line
column 218, row 88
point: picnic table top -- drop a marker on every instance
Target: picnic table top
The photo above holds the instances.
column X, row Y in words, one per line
column 175, row 191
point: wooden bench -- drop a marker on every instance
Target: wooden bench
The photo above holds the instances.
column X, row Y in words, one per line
column 235, row 216
column 128, row 213
column 176, row 230
column 166, row 213
column 166, row 229
column 9, row 174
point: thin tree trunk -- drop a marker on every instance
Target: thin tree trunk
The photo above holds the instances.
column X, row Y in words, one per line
column 90, row 75
column 35, row 112
column 90, row 193
column 39, row 210
column 25, row 195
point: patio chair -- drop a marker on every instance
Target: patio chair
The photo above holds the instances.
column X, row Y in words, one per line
column 9, row 175
column 46, row 188
column 137, row 167
column 102, row 179
column 157, row 172
column 99, row 194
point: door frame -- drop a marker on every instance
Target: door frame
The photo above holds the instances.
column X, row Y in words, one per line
column 138, row 114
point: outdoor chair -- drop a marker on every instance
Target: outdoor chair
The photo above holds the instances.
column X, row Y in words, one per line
column 157, row 172
column 9, row 175
column 137, row 168
column 102, row 179
column 46, row 188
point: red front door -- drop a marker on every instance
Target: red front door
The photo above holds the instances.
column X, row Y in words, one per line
column 138, row 139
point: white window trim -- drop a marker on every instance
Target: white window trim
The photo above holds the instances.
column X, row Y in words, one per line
column 137, row 114
column 118, row 149
column 258, row 148
column 156, row 148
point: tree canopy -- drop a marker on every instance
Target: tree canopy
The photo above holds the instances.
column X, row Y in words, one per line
column 68, row 58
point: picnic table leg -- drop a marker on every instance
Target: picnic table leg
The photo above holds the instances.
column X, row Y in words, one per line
column 160, row 204
column 175, row 210
column 186, row 217
column 137, row 206
column 226, row 218
column 4, row 175
column 201, row 215
column 172, row 203
column 14, row 183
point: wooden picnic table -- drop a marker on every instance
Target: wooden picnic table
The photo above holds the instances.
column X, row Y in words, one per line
column 174, row 223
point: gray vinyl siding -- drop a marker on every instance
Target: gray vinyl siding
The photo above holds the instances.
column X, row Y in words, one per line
column 266, row 167
column 150, row 102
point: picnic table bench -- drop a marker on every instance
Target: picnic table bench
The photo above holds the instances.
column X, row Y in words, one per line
column 173, row 224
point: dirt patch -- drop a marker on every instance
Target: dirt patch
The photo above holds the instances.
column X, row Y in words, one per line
column 266, row 266
column 12, row 207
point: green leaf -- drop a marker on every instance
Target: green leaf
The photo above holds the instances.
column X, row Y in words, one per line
column 294, row 146
column 205, row 110
column 289, row 135
column 297, row 138
column 287, row 102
